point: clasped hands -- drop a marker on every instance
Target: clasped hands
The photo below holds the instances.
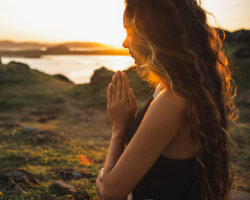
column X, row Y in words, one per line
column 121, row 107
column 121, row 104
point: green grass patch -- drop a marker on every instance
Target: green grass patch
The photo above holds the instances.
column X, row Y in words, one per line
column 23, row 149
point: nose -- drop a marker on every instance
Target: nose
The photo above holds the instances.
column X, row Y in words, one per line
column 125, row 43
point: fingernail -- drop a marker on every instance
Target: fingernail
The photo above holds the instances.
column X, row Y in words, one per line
column 131, row 90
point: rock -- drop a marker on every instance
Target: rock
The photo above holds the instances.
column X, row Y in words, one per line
column 28, row 129
column 225, row 35
column 37, row 136
column 10, row 126
column 241, row 36
column 21, row 65
column 101, row 76
column 243, row 52
column 71, row 173
column 17, row 176
column 99, row 161
column 63, row 189
column 62, row 78
column 46, row 119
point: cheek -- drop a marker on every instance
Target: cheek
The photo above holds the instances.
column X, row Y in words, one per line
column 142, row 48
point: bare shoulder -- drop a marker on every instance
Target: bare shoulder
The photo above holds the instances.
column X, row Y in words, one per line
column 166, row 100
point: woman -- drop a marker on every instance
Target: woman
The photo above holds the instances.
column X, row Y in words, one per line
column 177, row 146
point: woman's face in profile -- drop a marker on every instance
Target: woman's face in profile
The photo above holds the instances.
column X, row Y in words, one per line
column 133, row 43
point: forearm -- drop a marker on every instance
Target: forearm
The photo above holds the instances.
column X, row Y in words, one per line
column 115, row 149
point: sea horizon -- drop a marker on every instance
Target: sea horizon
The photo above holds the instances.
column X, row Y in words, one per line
column 77, row 68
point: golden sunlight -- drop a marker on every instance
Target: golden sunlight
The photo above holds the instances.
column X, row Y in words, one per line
column 93, row 20
column 61, row 20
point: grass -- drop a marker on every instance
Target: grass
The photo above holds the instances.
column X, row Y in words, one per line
column 23, row 88
column 22, row 149
column 41, row 156
column 241, row 157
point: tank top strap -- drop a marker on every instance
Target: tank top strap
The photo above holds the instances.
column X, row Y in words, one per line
column 159, row 87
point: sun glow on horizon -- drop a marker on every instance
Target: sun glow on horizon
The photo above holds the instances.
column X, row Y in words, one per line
column 62, row 20
column 93, row 20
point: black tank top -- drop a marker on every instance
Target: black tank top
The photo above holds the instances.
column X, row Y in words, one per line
column 168, row 179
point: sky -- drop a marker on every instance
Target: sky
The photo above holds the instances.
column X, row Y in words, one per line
column 93, row 20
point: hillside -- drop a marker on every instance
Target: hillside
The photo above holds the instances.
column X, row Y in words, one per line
column 52, row 129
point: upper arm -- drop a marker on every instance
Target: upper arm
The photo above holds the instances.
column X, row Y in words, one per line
column 159, row 126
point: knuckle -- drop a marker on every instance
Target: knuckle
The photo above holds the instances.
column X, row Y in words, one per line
column 111, row 106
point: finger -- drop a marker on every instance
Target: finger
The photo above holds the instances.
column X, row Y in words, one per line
column 114, row 80
column 133, row 99
column 124, row 86
column 130, row 99
column 102, row 171
column 100, row 174
column 109, row 93
column 119, row 86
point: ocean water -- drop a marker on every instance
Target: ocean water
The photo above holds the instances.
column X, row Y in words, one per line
column 77, row 68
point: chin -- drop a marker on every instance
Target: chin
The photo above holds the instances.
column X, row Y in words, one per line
column 136, row 62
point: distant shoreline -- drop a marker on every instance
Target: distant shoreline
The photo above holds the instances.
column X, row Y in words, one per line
column 36, row 50
column 39, row 54
column 78, row 68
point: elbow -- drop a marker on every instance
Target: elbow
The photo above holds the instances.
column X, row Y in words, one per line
column 112, row 194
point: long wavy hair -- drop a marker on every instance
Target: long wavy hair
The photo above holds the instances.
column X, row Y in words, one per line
column 185, row 54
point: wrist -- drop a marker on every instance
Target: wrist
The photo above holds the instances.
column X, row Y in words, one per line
column 118, row 131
